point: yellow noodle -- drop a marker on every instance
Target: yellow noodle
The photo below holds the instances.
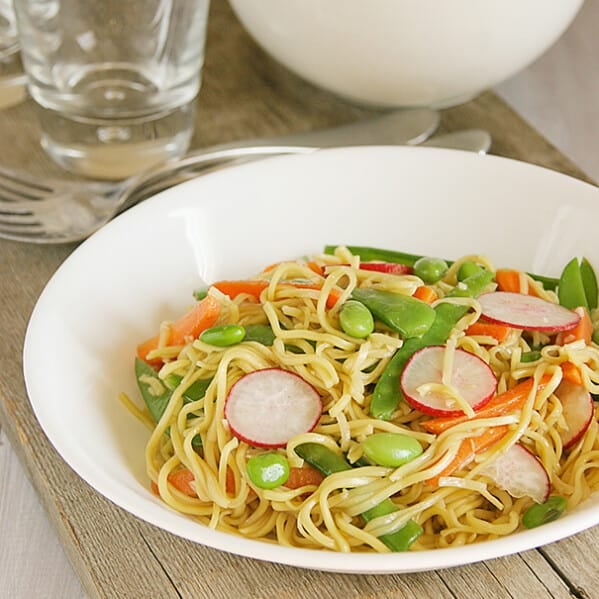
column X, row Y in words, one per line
column 465, row 507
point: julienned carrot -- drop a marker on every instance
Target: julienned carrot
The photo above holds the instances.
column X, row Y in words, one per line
column 504, row 403
column 306, row 475
column 182, row 481
column 499, row 332
column 469, row 447
column 255, row 287
column 426, row 294
column 509, row 279
column 202, row 316
column 571, row 373
column 583, row 330
column 315, row 268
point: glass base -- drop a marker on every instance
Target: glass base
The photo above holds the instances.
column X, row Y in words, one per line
column 119, row 148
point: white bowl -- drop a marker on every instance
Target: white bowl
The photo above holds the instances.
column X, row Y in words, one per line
column 406, row 52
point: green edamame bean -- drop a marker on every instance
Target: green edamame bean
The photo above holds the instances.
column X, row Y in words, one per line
column 268, row 470
column 200, row 294
column 430, row 270
column 407, row 315
column 356, row 319
column 542, row 513
column 467, row 269
column 391, row 449
column 223, row 335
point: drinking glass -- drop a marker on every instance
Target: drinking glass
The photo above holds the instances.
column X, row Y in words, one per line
column 115, row 80
column 9, row 43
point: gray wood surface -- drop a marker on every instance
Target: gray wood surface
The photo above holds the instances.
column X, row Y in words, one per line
column 245, row 94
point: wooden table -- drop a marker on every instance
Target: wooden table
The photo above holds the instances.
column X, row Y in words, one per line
column 245, row 94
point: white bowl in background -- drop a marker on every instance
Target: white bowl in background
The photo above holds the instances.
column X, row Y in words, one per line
column 406, row 52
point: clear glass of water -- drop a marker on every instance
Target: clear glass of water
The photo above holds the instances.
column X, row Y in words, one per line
column 9, row 43
column 115, row 80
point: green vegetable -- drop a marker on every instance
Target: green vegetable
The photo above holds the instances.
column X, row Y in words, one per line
column 157, row 404
column 430, row 270
column 268, row 470
column 387, row 393
column 467, row 269
column 200, row 294
column 223, row 335
column 530, row 356
column 356, row 319
column 391, row 449
column 261, row 333
column 368, row 254
column 542, row 513
column 328, row 462
column 589, row 282
column 571, row 292
column 401, row 539
column 407, row 315
column 195, row 391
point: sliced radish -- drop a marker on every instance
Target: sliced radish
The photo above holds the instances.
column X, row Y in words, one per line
column 526, row 312
column 578, row 407
column 520, row 473
column 267, row 408
column 388, row 267
column 471, row 377
column 391, row 268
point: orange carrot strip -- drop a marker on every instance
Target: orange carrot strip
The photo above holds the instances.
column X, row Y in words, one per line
column 499, row 332
column 469, row 447
column 181, row 480
column 154, row 488
column 571, row 373
column 426, row 294
column 306, row 475
column 508, row 279
column 202, row 316
column 316, row 268
column 253, row 287
column 504, row 403
column 583, row 330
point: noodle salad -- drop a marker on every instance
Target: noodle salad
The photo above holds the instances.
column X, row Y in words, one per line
column 371, row 400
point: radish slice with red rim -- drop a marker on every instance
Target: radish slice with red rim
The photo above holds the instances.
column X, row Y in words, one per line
column 471, row 377
column 519, row 472
column 267, row 408
column 578, row 410
column 526, row 312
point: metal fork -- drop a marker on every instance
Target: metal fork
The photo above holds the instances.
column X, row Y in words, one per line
column 53, row 211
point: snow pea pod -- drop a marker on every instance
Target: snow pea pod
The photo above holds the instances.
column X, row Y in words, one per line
column 260, row 333
column 157, row 403
column 578, row 285
column 387, row 393
column 407, row 315
column 328, row 462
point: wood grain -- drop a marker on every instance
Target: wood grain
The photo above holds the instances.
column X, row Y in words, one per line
column 245, row 94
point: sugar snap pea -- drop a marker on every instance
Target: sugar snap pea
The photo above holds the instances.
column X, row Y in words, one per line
column 387, row 393
column 157, row 403
column 407, row 315
column 328, row 462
